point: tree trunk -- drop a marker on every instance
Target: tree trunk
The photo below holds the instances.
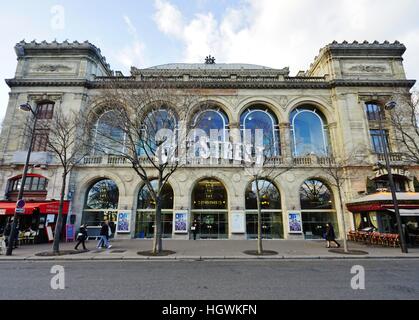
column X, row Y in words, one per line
column 259, row 243
column 342, row 212
column 157, row 240
column 59, row 225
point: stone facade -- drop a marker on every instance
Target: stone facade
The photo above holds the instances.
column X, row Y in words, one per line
column 343, row 77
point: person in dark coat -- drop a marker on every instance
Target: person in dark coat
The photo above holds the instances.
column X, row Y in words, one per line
column 330, row 235
column 7, row 232
column 194, row 229
column 104, row 234
column 82, row 237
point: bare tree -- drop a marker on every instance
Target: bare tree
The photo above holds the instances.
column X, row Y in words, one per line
column 262, row 161
column 405, row 120
column 66, row 130
column 142, row 125
column 339, row 169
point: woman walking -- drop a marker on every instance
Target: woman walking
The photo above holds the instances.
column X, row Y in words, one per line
column 330, row 235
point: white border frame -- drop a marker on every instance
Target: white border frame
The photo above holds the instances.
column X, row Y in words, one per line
column 300, row 220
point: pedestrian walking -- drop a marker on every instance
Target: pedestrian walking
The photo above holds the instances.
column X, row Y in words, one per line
column 194, row 229
column 82, row 237
column 104, row 236
column 330, row 235
column 7, row 232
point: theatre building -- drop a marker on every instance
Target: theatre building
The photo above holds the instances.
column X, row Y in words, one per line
column 327, row 112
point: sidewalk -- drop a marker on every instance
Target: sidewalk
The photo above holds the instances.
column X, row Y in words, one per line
column 210, row 250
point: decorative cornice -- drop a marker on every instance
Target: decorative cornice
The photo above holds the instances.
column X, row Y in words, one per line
column 215, row 84
column 395, row 49
column 24, row 48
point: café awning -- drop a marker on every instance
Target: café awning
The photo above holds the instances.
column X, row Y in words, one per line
column 47, row 207
column 407, row 212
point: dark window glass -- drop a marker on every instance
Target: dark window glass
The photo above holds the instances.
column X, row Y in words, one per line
column 40, row 143
column 315, row 194
column 45, row 111
column 209, row 194
column 377, row 141
column 146, row 201
column 31, row 184
column 373, row 112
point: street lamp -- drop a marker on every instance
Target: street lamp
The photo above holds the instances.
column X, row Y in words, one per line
column 390, row 106
column 24, row 107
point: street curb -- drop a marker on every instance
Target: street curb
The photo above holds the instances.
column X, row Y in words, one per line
column 203, row 258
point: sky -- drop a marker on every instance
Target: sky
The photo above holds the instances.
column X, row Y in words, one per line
column 144, row 33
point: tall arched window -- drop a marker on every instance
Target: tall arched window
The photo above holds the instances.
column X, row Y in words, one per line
column 317, row 207
column 153, row 125
column 261, row 118
column 146, row 212
column 109, row 137
column 270, row 200
column 101, row 203
column 309, row 132
column 212, row 120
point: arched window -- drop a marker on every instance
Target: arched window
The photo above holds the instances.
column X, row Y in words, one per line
column 146, row 201
column 213, row 120
column 309, row 132
column 270, row 200
column 35, row 187
column 109, row 137
column 260, row 118
column 146, row 212
column 210, row 209
column 317, row 207
column 101, row 203
column 155, row 122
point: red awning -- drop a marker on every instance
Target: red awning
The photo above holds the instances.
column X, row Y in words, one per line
column 47, row 207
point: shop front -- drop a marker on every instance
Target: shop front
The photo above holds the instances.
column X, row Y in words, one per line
column 376, row 212
column 38, row 220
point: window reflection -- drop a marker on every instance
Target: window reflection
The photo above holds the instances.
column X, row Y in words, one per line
column 109, row 138
column 310, row 135
column 259, row 118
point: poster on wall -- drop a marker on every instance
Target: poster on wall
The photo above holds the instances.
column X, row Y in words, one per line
column 181, row 222
column 295, row 224
column 238, row 222
column 124, row 222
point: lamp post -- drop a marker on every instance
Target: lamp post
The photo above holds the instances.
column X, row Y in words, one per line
column 27, row 108
column 390, row 106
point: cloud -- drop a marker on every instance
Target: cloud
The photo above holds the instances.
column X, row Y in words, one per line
column 134, row 53
column 289, row 33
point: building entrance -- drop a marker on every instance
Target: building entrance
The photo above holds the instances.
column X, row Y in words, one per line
column 210, row 210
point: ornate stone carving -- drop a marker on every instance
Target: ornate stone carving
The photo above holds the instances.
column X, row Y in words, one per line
column 48, row 68
column 367, row 68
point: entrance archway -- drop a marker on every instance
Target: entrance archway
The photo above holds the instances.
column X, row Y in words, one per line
column 144, row 227
column 101, row 204
column 210, row 209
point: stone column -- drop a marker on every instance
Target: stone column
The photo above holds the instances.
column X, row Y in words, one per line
column 285, row 140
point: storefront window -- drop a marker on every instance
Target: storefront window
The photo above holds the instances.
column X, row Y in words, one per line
column 209, row 209
column 270, row 200
column 317, row 209
column 309, row 132
column 145, row 221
